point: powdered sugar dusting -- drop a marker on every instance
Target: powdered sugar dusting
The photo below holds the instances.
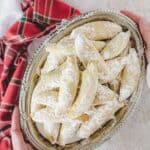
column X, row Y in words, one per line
column 71, row 102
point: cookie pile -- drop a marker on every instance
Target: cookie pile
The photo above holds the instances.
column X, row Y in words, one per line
column 88, row 76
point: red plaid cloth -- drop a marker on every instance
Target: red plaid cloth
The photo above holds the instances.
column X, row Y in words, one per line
column 40, row 17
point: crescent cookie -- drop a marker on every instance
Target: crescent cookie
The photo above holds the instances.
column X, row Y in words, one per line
column 64, row 47
column 68, row 133
column 114, row 66
column 116, row 46
column 98, row 30
column 49, row 81
column 104, row 95
column 52, row 131
column 49, row 130
column 130, row 75
column 101, row 115
column 46, row 82
column 68, row 85
column 87, row 91
column 87, row 52
column 52, row 62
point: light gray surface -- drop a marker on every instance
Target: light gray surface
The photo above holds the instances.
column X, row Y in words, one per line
column 135, row 134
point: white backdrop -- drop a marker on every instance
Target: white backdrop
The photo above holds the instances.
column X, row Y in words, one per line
column 135, row 134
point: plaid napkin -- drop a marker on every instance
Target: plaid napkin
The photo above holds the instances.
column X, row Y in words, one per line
column 40, row 17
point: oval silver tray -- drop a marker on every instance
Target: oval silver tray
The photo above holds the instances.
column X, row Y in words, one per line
column 39, row 56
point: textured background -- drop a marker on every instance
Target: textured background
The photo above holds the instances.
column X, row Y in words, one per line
column 135, row 134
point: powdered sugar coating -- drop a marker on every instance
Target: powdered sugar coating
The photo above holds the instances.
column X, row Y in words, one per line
column 98, row 30
column 70, row 93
